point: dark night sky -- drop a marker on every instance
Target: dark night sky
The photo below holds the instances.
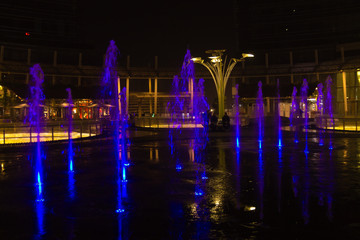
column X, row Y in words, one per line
column 164, row 28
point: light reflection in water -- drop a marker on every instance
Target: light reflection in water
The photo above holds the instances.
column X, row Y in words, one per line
column 306, row 188
column 238, row 178
column 280, row 170
column 40, row 214
column 260, row 181
column 71, row 184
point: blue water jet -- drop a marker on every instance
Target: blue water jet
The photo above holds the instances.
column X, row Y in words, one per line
column 304, row 108
column 237, row 116
column 279, row 115
column 70, row 129
column 35, row 117
column 294, row 115
column 320, row 108
column 260, row 115
column 328, row 109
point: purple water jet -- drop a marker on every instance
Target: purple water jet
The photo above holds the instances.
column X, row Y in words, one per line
column 111, row 83
column 70, row 129
column 35, row 118
column 279, row 115
column 304, row 108
column 294, row 114
column 320, row 108
column 260, row 115
column 237, row 117
column 328, row 107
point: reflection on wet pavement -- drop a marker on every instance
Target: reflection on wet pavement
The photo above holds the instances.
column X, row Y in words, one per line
column 193, row 188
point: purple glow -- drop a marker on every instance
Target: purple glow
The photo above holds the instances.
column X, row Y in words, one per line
column 69, row 116
column 320, row 108
column 237, row 117
column 260, row 114
column 279, row 116
column 294, row 115
column 328, row 107
column 35, row 118
column 304, row 108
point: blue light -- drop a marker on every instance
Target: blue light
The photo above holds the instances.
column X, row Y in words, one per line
column 120, row 210
column 71, row 169
column 237, row 142
column 260, row 145
column 296, row 141
column 126, row 164
column 199, row 193
column 178, row 167
column 331, row 148
column 124, row 174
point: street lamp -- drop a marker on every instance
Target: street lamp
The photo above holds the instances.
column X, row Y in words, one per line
column 220, row 71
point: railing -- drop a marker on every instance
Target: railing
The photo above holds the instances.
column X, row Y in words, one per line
column 342, row 124
column 24, row 133
column 164, row 122
column 161, row 122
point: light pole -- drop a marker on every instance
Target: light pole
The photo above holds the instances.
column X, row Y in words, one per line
column 220, row 71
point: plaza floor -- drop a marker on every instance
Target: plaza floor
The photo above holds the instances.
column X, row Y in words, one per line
column 195, row 188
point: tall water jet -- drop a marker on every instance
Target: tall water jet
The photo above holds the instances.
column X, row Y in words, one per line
column 187, row 79
column 35, row 118
column 328, row 107
column 70, row 129
column 237, row 117
column 279, row 115
column 304, row 107
column 71, row 151
column 260, row 115
column 320, row 109
column 294, row 114
column 111, row 90
column 35, row 114
column 200, row 107
column 175, row 108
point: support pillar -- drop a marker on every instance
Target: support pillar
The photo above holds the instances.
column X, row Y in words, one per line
column 27, row 78
column 150, row 99
column 345, row 93
column 127, row 94
column 155, row 95
column 191, row 90
column 29, row 56
column 80, row 59
column 55, row 59
column 118, row 94
column 2, row 49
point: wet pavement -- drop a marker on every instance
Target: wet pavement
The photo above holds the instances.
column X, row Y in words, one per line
column 206, row 188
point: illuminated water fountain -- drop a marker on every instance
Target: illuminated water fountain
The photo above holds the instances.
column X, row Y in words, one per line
column 112, row 91
column 304, row 108
column 260, row 115
column 328, row 107
column 320, row 108
column 279, row 115
column 35, row 117
column 237, row 117
column 294, row 114
column 70, row 130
